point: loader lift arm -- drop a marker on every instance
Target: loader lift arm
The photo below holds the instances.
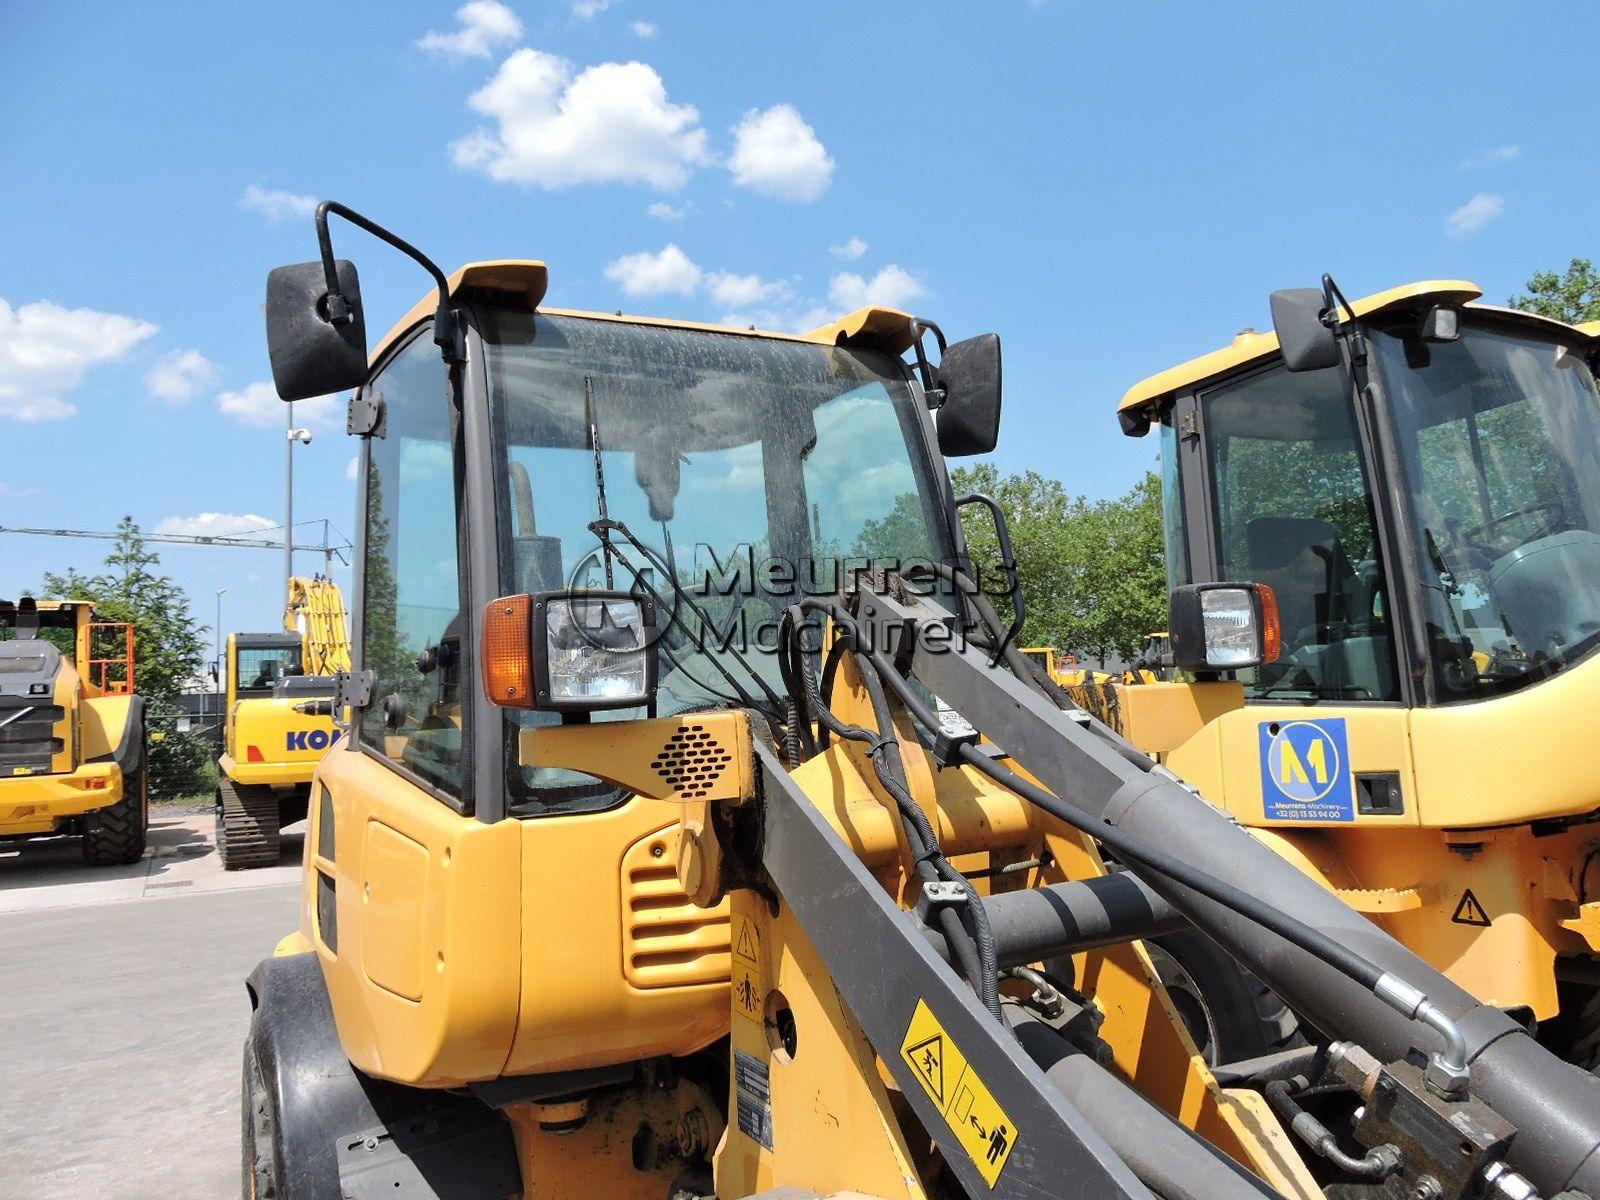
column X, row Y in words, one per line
column 881, row 962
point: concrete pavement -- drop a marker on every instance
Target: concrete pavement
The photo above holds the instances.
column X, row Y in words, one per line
column 123, row 1013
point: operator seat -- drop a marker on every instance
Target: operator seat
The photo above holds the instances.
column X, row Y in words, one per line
column 1301, row 559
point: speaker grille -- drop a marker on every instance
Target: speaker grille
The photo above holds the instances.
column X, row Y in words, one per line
column 692, row 761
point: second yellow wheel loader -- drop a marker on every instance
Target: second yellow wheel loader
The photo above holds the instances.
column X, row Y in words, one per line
column 279, row 724
column 72, row 730
column 1415, row 478
column 699, row 834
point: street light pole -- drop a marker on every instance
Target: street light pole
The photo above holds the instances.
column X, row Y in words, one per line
column 217, row 679
column 291, row 435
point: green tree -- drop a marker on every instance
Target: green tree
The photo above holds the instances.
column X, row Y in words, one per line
column 1093, row 573
column 1573, row 297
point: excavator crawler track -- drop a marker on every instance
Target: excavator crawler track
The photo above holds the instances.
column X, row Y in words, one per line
column 247, row 826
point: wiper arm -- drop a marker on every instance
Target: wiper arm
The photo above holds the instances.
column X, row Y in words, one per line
column 602, row 529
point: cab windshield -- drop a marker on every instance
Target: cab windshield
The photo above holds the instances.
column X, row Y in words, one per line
column 754, row 470
column 1499, row 439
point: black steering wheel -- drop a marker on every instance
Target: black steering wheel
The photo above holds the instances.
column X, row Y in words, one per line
column 1553, row 507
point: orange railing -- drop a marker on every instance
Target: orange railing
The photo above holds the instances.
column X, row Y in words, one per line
column 113, row 673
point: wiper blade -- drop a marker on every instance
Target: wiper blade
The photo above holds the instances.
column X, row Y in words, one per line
column 602, row 529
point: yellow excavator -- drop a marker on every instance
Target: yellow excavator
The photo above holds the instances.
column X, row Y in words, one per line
column 72, row 730
column 279, row 724
column 699, row 834
column 1414, row 481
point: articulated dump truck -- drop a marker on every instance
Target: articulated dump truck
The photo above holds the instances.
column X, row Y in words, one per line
column 784, row 875
column 72, row 730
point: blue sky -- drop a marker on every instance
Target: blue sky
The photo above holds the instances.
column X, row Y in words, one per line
column 1111, row 188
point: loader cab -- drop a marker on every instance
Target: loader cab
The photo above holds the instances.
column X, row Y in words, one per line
column 1431, row 536
column 736, row 472
column 1449, row 520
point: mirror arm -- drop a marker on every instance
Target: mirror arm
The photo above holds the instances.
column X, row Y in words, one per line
column 447, row 331
column 1334, row 299
column 1008, row 563
column 933, row 392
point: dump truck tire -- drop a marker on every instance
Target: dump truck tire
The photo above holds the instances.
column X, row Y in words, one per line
column 1230, row 1013
column 115, row 836
column 247, row 826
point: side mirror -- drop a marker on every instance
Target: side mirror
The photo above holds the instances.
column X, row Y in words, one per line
column 1307, row 342
column 1224, row 626
column 969, row 375
column 312, row 352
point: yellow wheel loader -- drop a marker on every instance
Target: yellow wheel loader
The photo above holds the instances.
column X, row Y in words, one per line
column 279, row 723
column 1414, row 482
column 699, row 832
column 72, row 730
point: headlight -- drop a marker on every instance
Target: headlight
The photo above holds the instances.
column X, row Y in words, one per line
column 569, row 651
column 597, row 651
column 1224, row 626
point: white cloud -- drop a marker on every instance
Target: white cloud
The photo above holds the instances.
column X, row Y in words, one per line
column 214, row 524
column 276, row 204
column 587, row 10
column 352, row 468
column 610, row 123
column 850, row 249
column 179, row 374
column 1499, row 154
column 892, row 287
column 1474, row 214
column 45, row 351
column 777, row 154
column 646, row 274
column 258, row 404
column 741, row 291
column 642, row 29
column 662, row 211
column 485, row 24
column 7, row 490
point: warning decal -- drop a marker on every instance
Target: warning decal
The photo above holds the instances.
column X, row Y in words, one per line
column 748, row 993
column 974, row 1116
column 1470, row 912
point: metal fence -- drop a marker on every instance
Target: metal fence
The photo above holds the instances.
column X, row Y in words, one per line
column 184, row 739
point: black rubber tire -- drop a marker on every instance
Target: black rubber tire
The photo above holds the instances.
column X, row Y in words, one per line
column 115, row 836
column 247, row 826
column 258, row 1122
column 1230, row 1013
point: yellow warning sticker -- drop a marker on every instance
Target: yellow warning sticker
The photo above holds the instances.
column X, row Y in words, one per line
column 974, row 1116
column 748, row 993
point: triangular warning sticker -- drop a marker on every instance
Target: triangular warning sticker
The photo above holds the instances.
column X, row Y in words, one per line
column 1470, row 912
column 745, row 947
column 927, row 1060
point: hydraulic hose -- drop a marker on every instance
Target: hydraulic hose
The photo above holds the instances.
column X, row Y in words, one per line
column 1395, row 993
column 973, row 947
column 1380, row 1162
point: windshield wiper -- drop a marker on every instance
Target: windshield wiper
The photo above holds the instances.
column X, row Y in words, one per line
column 602, row 529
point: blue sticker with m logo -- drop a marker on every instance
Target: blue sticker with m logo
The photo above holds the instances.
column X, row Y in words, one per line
column 1305, row 771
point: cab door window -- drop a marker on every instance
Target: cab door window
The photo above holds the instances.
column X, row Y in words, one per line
column 411, row 635
column 1294, row 511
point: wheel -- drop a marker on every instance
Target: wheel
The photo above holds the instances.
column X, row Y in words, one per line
column 247, row 826
column 1230, row 1013
column 258, row 1121
column 115, row 836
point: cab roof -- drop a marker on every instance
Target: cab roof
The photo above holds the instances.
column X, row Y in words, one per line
column 1147, row 396
column 9, row 607
column 1251, row 346
column 522, row 283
